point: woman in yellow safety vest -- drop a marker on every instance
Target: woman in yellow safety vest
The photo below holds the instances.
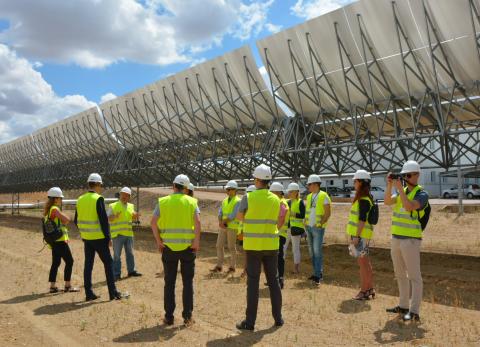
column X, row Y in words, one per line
column 360, row 232
column 60, row 249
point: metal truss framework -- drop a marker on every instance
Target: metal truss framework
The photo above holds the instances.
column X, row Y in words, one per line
column 218, row 120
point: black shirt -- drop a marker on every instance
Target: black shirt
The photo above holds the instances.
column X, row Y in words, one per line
column 363, row 209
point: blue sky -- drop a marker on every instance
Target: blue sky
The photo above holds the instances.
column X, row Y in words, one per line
column 60, row 58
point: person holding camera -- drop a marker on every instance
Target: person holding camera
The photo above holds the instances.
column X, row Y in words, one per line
column 60, row 249
column 228, row 224
column 410, row 205
column 360, row 231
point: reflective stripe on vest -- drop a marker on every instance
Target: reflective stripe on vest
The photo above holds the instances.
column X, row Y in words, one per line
column 227, row 209
column 123, row 224
column 260, row 231
column 57, row 221
column 87, row 217
column 319, row 208
column 353, row 220
column 405, row 223
column 175, row 223
column 284, row 228
column 294, row 210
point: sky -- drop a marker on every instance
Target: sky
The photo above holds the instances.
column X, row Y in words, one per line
column 61, row 57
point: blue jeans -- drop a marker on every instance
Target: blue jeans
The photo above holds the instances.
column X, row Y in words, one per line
column 315, row 244
column 118, row 243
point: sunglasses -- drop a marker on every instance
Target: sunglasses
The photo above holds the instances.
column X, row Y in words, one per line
column 409, row 175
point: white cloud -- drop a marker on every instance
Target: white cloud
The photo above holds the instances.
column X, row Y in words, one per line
column 273, row 28
column 95, row 34
column 313, row 8
column 27, row 101
column 107, row 97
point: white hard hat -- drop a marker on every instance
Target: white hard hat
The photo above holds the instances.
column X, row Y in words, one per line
column 262, row 172
column 293, row 186
column 362, row 175
column 183, row 180
column 55, row 192
column 231, row 184
column 191, row 187
column 410, row 166
column 126, row 190
column 276, row 187
column 251, row 188
column 94, row 178
column 314, row 179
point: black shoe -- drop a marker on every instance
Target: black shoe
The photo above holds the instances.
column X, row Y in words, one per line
column 397, row 309
column 279, row 323
column 92, row 297
column 168, row 321
column 411, row 317
column 119, row 296
column 134, row 274
column 244, row 326
column 317, row 280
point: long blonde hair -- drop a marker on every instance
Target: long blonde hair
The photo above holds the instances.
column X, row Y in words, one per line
column 48, row 205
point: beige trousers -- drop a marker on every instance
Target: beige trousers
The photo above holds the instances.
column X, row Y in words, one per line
column 406, row 264
column 229, row 235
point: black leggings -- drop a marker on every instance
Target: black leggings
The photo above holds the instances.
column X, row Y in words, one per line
column 60, row 250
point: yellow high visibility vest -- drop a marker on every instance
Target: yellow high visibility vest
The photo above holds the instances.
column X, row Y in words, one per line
column 406, row 223
column 87, row 217
column 319, row 208
column 57, row 221
column 353, row 219
column 227, row 209
column 123, row 224
column 176, row 224
column 284, row 228
column 260, row 231
column 294, row 209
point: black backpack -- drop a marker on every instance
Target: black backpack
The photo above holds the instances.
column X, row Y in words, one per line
column 51, row 231
column 373, row 214
column 426, row 216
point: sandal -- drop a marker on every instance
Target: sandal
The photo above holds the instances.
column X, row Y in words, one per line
column 71, row 289
column 361, row 295
column 53, row 290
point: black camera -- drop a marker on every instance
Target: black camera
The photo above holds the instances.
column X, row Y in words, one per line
column 395, row 176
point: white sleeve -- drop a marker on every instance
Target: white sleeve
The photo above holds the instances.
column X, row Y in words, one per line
column 326, row 201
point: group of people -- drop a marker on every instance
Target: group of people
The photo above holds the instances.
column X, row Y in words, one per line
column 264, row 222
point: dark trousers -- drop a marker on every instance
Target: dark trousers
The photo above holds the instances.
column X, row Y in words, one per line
column 101, row 248
column 281, row 259
column 269, row 259
column 60, row 250
column 170, row 261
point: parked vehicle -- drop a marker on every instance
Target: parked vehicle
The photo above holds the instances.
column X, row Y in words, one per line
column 333, row 191
column 378, row 193
column 470, row 191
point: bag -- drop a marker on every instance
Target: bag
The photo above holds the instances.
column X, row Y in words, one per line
column 373, row 214
column 51, row 231
column 426, row 216
column 295, row 231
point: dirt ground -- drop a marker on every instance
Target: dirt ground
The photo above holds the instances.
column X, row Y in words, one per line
column 313, row 316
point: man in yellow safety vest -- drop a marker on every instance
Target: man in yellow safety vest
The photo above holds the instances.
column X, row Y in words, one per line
column 92, row 222
column 262, row 215
column 409, row 206
column 176, row 229
column 121, row 215
column 228, row 224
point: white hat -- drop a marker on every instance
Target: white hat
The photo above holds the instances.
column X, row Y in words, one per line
column 94, row 178
column 314, row 179
column 191, row 187
column 182, row 180
column 410, row 166
column 55, row 192
column 276, row 187
column 293, row 186
column 126, row 190
column 262, row 172
column 251, row 188
column 231, row 184
column 362, row 175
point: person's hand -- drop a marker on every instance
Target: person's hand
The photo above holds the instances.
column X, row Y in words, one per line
column 355, row 241
column 195, row 245
column 221, row 225
column 160, row 246
column 398, row 185
column 110, row 243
